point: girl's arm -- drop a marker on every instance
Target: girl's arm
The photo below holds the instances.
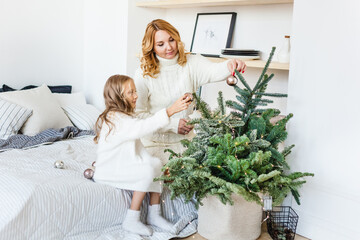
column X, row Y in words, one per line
column 128, row 128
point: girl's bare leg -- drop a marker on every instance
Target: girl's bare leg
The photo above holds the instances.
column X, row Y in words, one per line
column 137, row 200
column 154, row 198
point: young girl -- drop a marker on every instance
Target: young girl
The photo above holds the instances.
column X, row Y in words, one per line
column 122, row 160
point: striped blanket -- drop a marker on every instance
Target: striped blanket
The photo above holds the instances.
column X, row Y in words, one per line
column 39, row 201
column 48, row 136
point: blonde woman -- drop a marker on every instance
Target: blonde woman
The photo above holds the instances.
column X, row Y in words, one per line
column 122, row 160
column 166, row 73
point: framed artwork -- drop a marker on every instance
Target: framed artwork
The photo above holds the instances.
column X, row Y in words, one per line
column 212, row 32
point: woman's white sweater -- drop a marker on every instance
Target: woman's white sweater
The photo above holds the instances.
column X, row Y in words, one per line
column 122, row 160
column 161, row 92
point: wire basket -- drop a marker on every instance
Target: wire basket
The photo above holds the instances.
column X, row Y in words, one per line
column 282, row 223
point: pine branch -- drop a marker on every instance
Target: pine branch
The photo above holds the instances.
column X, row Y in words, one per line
column 242, row 99
column 242, row 92
column 271, row 94
column 242, row 79
column 265, row 82
column 234, row 105
column 221, row 103
column 265, row 68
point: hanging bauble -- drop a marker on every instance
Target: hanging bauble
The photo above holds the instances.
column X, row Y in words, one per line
column 89, row 173
column 59, row 164
column 231, row 80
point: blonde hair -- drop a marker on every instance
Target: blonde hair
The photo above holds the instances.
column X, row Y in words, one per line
column 115, row 101
column 149, row 62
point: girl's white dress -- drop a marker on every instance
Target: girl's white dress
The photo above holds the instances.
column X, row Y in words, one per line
column 122, row 160
column 171, row 83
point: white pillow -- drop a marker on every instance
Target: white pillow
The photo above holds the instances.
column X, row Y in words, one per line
column 47, row 112
column 82, row 116
column 66, row 99
column 12, row 118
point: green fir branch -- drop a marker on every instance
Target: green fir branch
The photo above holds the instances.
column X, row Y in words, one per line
column 221, row 103
column 265, row 68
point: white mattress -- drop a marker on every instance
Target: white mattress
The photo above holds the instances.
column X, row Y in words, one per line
column 38, row 201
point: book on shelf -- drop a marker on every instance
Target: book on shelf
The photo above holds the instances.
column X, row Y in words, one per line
column 244, row 54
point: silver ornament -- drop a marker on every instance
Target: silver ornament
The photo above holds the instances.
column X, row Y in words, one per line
column 190, row 96
column 89, row 173
column 231, row 80
column 59, row 164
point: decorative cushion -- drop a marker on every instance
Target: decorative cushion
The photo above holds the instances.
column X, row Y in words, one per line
column 82, row 116
column 47, row 112
column 12, row 118
column 53, row 89
column 70, row 99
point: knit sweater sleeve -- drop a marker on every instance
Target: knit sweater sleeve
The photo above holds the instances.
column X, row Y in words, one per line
column 128, row 128
column 204, row 71
column 142, row 104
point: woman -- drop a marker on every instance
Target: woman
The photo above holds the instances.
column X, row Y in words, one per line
column 166, row 73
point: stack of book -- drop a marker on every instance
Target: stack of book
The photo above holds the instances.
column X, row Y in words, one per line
column 245, row 54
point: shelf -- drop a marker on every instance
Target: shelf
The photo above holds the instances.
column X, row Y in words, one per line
column 205, row 3
column 257, row 63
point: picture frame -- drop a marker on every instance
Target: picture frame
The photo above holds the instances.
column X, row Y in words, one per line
column 212, row 32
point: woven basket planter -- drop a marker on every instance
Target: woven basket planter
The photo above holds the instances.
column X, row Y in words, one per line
column 241, row 221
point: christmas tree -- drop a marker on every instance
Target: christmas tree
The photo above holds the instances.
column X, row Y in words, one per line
column 237, row 152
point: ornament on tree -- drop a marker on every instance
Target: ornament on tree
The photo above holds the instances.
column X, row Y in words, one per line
column 232, row 80
column 89, row 172
column 189, row 96
column 59, row 164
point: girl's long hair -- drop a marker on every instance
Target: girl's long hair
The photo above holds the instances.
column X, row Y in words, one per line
column 115, row 101
column 149, row 62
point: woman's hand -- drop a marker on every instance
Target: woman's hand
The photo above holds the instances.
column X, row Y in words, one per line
column 183, row 127
column 181, row 104
column 236, row 64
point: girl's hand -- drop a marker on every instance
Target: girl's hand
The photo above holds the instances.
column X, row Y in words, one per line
column 236, row 64
column 181, row 104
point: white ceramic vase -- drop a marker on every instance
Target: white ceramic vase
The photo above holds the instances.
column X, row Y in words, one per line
column 241, row 221
column 284, row 53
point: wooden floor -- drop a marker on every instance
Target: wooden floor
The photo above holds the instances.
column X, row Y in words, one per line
column 264, row 236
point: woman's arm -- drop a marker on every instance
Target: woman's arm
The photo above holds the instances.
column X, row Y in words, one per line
column 204, row 71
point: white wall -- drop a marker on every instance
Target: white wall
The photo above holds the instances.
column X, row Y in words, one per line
column 77, row 42
column 323, row 95
column 136, row 30
column 41, row 41
column 105, row 45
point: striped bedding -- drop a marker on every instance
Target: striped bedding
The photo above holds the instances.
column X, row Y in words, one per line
column 38, row 201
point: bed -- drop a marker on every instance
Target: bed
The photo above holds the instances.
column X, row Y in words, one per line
column 39, row 201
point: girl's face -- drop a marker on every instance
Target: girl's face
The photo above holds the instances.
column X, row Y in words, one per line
column 165, row 46
column 130, row 93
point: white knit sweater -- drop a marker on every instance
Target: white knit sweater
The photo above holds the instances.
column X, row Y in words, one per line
column 122, row 160
column 170, row 84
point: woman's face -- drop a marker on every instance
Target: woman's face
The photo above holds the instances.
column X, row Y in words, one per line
column 130, row 93
column 165, row 46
